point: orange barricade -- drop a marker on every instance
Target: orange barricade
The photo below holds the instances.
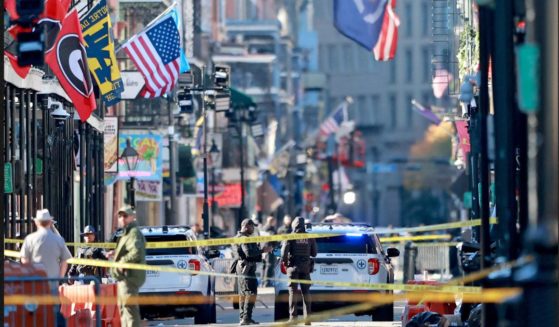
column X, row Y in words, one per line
column 412, row 308
column 78, row 305
column 31, row 314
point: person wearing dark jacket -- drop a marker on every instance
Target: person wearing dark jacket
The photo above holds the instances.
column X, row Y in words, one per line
column 286, row 227
column 269, row 258
column 296, row 256
column 131, row 248
column 88, row 252
column 248, row 254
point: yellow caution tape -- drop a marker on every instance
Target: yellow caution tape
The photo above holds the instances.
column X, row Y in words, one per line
column 244, row 240
column 493, row 295
column 428, row 228
column 424, row 244
column 372, row 286
column 415, row 238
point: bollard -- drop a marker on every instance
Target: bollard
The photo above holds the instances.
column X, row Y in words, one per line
column 410, row 260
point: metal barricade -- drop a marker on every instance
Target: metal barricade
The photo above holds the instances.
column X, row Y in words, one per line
column 223, row 285
column 434, row 258
column 431, row 258
column 37, row 301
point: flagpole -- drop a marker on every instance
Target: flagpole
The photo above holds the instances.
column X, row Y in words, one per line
column 165, row 12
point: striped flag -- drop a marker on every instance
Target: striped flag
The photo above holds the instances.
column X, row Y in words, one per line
column 333, row 123
column 387, row 43
column 156, row 52
column 425, row 112
column 198, row 136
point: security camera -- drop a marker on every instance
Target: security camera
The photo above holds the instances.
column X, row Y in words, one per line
column 58, row 113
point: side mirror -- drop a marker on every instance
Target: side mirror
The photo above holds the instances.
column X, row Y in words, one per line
column 392, row 252
column 213, row 253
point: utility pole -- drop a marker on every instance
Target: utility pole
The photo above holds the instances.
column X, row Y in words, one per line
column 205, row 208
column 242, row 171
column 503, row 88
column 172, row 160
column 330, row 150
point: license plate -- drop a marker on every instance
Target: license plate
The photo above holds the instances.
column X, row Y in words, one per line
column 328, row 270
column 152, row 273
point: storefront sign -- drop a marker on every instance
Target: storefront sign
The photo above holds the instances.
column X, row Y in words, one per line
column 110, row 137
column 150, row 158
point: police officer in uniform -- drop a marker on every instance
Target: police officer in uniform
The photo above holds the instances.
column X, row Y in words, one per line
column 296, row 256
column 248, row 254
column 88, row 252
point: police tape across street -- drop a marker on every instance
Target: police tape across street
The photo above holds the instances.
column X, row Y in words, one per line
column 284, row 237
column 450, row 287
column 251, row 239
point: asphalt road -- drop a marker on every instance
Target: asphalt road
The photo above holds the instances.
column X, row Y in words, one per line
column 264, row 313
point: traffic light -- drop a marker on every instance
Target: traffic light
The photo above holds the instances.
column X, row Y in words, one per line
column 221, row 76
column 29, row 10
column 30, row 48
column 185, row 102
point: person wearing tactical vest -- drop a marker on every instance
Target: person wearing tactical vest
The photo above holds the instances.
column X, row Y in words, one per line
column 90, row 251
column 296, row 256
column 247, row 254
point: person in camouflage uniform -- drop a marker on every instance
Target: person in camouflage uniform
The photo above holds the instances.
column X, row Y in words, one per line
column 131, row 248
column 296, row 256
column 248, row 254
column 88, row 252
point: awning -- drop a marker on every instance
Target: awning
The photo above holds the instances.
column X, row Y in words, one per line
column 240, row 99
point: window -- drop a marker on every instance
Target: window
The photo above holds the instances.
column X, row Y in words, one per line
column 409, row 14
column 426, row 66
column 425, row 16
column 409, row 111
column 409, row 66
column 323, row 55
column 375, row 107
column 333, row 58
column 392, row 77
column 393, row 112
column 346, row 244
column 362, row 108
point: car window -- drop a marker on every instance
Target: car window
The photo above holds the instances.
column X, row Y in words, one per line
column 346, row 244
column 169, row 251
column 377, row 243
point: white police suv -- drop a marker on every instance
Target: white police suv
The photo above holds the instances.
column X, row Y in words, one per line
column 178, row 284
column 356, row 255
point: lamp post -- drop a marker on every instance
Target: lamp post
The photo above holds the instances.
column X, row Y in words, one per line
column 214, row 157
column 130, row 157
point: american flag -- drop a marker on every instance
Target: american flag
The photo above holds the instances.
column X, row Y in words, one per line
column 156, row 52
column 334, row 121
column 385, row 48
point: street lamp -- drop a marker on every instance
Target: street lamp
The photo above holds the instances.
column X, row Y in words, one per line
column 214, row 157
column 349, row 197
column 130, row 157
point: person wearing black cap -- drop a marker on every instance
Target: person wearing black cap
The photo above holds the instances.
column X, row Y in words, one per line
column 88, row 252
column 296, row 256
column 248, row 254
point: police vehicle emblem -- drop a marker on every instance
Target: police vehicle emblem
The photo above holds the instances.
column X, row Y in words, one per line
column 361, row 264
column 181, row 264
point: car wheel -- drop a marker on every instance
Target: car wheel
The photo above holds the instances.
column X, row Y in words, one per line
column 206, row 312
column 281, row 309
column 384, row 313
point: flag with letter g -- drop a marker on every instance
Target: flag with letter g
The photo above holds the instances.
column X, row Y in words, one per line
column 68, row 61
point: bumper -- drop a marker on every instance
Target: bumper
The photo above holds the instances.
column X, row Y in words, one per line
column 184, row 304
column 331, row 299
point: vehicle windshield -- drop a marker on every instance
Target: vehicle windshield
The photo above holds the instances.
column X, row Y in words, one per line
column 169, row 251
column 346, row 244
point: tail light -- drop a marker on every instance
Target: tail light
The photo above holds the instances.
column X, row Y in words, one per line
column 374, row 266
column 194, row 264
column 283, row 268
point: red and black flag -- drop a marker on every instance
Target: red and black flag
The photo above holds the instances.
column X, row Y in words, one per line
column 68, row 61
column 49, row 22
